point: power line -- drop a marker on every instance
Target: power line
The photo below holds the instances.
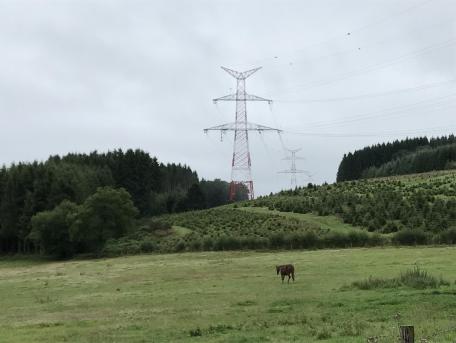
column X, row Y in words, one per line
column 391, row 16
column 351, row 31
column 370, row 95
column 392, row 111
column 400, row 113
column 376, row 134
column 374, row 67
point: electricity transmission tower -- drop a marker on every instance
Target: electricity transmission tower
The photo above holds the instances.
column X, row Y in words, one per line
column 241, row 174
column 293, row 171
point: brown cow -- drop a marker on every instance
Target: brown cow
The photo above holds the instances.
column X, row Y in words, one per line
column 286, row 270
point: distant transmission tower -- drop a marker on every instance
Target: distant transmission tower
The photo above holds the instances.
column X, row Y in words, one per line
column 293, row 171
column 241, row 174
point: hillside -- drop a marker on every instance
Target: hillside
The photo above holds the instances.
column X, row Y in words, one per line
column 412, row 209
column 420, row 202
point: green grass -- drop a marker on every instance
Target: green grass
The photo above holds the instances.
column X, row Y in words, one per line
column 181, row 231
column 330, row 222
column 224, row 297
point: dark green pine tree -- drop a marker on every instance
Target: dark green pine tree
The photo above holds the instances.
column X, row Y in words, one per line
column 195, row 199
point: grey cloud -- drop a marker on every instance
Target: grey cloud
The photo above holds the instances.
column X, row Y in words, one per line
column 86, row 75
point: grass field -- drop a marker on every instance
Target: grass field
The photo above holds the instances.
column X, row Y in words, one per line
column 224, row 297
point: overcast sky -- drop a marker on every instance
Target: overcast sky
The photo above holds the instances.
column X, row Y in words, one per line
column 78, row 76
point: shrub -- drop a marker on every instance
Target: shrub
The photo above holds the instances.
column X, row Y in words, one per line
column 111, row 250
column 158, row 225
column 291, row 241
column 196, row 332
column 390, row 226
column 254, row 243
column 448, row 237
column 208, row 243
column 122, row 246
column 195, row 244
column 420, row 279
column 51, row 230
column 376, row 240
column 373, row 283
column 358, row 238
column 336, row 240
column 227, row 243
column 301, row 240
column 413, row 278
column 411, row 237
column 108, row 213
column 180, row 246
column 277, row 240
column 309, row 240
column 148, row 246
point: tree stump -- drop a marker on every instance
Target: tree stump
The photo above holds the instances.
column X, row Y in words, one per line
column 407, row 334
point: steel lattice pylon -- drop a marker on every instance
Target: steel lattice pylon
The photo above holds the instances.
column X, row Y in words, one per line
column 241, row 163
column 293, row 171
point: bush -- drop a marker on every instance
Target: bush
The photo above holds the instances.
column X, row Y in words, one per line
column 411, row 237
column 196, row 332
column 155, row 225
column 390, row 226
column 180, row 246
column 195, row 244
column 336, row 240
column 106, row 214
column 413, row 278
column 277, row 240
column 376, row 240
column 300, row 240
column 309, row 240
column 374, row 283
column 122, row 246
column 208, row 243
column 254, row 243
column 358, row 238
column 448, row 237
column 148, row 246
column 227, row 243
column 111, row 250
column 51, row 230
column 420, row 279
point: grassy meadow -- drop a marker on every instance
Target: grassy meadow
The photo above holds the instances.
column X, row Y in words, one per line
column 225, row 297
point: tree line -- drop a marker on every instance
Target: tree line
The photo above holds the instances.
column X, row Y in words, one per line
column 27, row 189
column 355, row 165
column 424, row 160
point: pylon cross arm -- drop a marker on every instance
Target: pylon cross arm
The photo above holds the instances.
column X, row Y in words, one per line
column 241, row 126
column 241, row 97
column 293, row 158
column 240, row 75
column 294, row 171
